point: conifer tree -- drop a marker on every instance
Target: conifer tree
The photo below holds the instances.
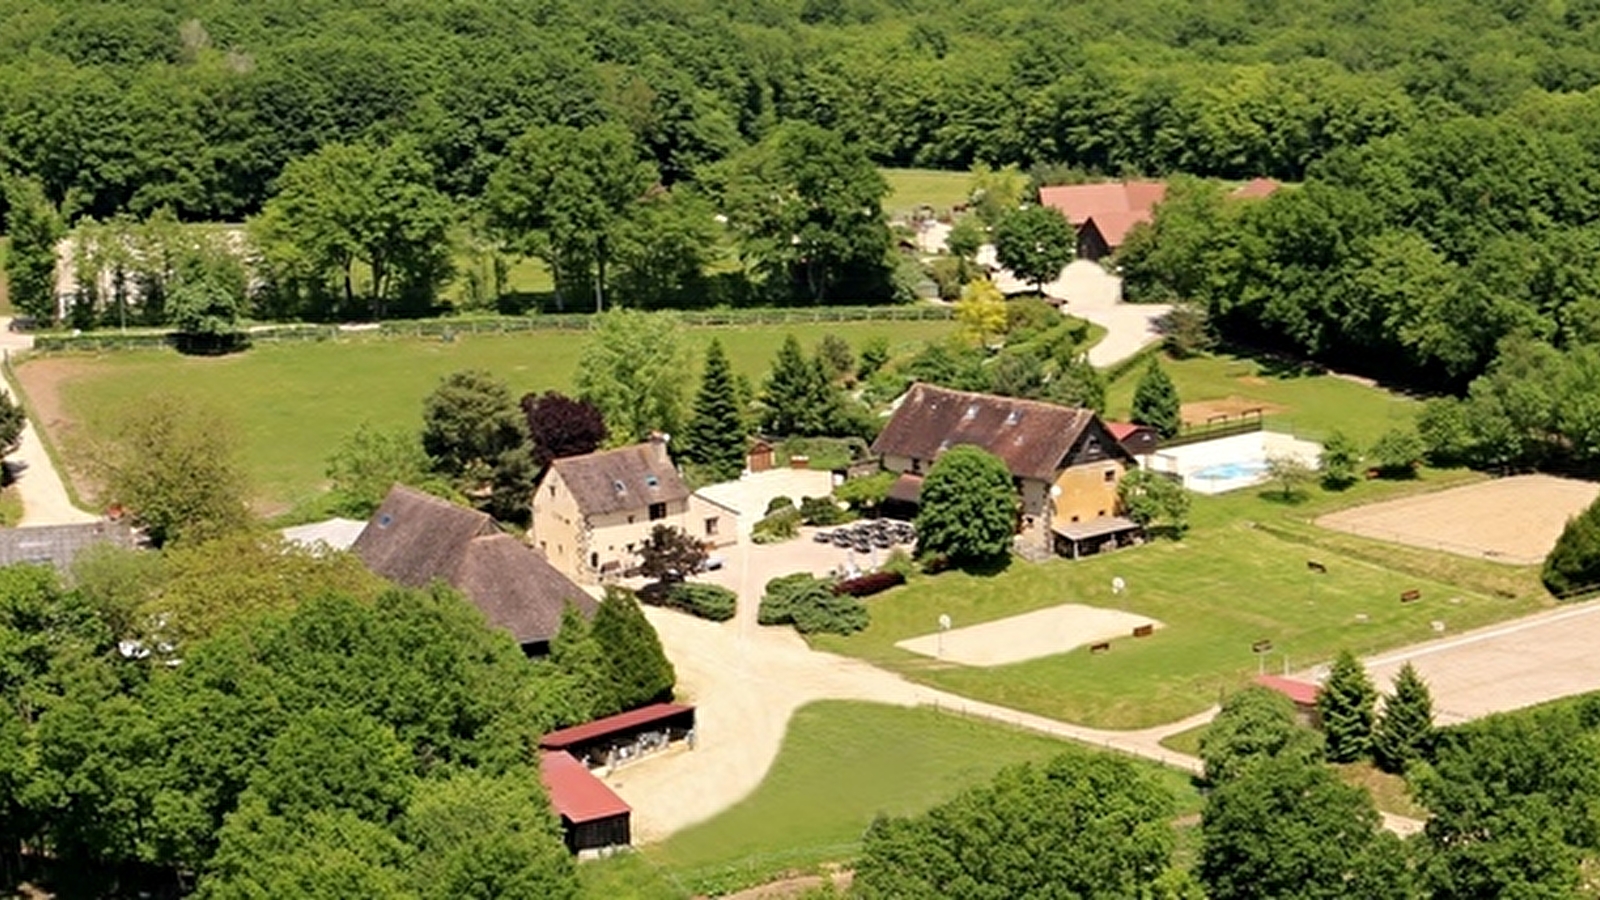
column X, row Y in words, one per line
column 797, row 394
column 575, row 651
column 1574, row 562
column 1346, row 705
column 1405, row 729
column 638, row 669
column 1155, row 401
column 31, row 265
column 715, row 437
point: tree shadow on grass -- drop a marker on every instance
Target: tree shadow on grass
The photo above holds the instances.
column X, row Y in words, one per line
column 987, row 568
column 1277, row 497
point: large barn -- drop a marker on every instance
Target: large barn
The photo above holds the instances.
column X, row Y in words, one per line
column 1065, row 462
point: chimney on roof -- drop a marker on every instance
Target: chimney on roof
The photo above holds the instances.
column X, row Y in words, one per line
column 658, row 447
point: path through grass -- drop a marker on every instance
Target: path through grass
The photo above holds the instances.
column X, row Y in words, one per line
column 294, row 403
column 842, row 764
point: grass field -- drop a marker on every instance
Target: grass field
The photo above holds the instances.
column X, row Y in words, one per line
column 842, row 764
column 1239, row 576
column 910, row 188
column 1313, row 405
column 293, row 403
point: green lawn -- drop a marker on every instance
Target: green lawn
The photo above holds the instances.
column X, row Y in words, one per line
column 1240, row 576
column 910, row 188
column 1311, row 406
column 842, row 764
column 294, row 402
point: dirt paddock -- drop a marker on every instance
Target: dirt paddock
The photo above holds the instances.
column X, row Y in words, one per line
column 1511, row 520
column 1043, row 632
column 1202, row 411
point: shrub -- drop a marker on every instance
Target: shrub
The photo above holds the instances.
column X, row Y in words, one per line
column 822, row 511
column 779, row 504
column 779, row 526
column 810, row 605
column 869, row 584
column 707, row 601
column 865, row 493
column 1398, row 453
column 900, row 561
column 1574, row 562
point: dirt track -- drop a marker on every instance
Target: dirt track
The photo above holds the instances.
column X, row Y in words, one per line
column 1510, row 520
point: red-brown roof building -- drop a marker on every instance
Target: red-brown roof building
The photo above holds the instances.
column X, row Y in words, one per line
column 1104, row 213
column 1140, row 440
column 593, row 817
column 1303, row 694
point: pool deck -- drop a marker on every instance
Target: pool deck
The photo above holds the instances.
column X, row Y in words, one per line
column 1245, row 455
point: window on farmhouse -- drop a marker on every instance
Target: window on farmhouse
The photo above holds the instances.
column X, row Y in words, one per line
column 1111, row 475
column 658, row 511
column 711, row 525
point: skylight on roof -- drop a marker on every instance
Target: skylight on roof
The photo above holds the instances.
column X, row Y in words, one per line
column 385, row 520
column 1013, row 417
column 619, row 487
column 651, row 480
column 972, row 411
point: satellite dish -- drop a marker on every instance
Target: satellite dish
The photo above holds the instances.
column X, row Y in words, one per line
column 944, row 621
column 1118, row 585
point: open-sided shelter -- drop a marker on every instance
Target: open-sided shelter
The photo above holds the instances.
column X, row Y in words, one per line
column 593, row 817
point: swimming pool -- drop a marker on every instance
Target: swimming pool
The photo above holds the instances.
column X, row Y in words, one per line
column 1253, row 468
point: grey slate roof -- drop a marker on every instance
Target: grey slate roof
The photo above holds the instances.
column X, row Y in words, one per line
column 415, row 539
column 59, row 545
column 631, row 477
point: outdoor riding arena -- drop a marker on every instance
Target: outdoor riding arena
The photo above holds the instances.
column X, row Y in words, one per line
column 1510, row 520
column 1043, row 632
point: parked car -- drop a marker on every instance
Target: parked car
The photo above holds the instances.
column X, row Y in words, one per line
column 823, row 537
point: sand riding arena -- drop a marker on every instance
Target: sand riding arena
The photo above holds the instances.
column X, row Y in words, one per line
column 1043, row 632
column 1510, row 520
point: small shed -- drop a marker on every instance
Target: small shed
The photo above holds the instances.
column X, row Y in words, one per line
column 1140, row 440
column 624, row 736
column 761, row 456
column 593, row 817
column 1303, row 694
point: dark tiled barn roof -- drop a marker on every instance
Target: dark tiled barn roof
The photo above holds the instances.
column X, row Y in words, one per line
column 59, row 545
column 1030, row 437
column 415, row 539
column 626, row 478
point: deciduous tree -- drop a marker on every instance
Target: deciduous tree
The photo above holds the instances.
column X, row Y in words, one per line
column 1254, row 725
column 1290, row 473
column 560, row 426
column 475, row 434
column 175, row 468
column 1341, row 461
column 981, row 312
column 669, row 554
column 34, row 228
column 968, row 507
column 1155, row 500
column 1574, row 562
column 633, row 369
column 1397, row 453
column 1035, row 243
column 1095, row 826
column 370, row 461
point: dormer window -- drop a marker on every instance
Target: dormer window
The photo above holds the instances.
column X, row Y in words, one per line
column 944, row 445
column 972, row 411
column 1013, row 417
column 619, row 487
column 652, row 481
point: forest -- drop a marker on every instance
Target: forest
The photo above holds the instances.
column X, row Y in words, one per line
column 633, row 147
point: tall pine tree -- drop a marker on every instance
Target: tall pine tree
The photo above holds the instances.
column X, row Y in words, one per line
column 579, row 656
column 1574, row 562
column 638, row 668
column 1346, row 705
column 797, row 393
column 715, row 437
column 1405, row 729
column 1155, row 401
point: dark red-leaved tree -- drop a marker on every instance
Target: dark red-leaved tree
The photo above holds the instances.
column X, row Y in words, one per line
column 560, row 426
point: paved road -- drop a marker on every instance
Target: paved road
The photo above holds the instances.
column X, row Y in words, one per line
column 44, row 496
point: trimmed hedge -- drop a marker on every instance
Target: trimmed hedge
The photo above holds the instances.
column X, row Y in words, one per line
column 707, row 601
column 869, row 584
column 811, row 606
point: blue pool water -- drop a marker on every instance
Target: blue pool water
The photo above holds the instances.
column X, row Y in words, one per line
column 1229, row 471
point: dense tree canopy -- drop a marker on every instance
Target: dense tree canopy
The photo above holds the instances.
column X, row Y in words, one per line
column 968, row 507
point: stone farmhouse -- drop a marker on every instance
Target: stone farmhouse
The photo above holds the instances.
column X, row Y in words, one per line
column 591, row 513
column 415, row 539
column 1065, row 462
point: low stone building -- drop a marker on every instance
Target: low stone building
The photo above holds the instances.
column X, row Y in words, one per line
column 591, row 513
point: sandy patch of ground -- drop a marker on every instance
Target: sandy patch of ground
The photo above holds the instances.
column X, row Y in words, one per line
column 1203, row 411
column 1043, row 632
column 1511, row 520
column 44, row 495
column 41, row 381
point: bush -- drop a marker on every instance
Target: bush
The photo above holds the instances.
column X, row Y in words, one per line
column 778, row 504
column 865, row 493
column 777, row 527
column 1398, row 453
column 810, row 605
column 707, row 601
column 900, row 561
column 949, row 276
column 867, row 585
column 823, row 511
column 1574, row 562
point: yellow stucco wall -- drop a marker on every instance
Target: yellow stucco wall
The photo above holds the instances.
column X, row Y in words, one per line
column 557, row 529
column 1088, row 491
